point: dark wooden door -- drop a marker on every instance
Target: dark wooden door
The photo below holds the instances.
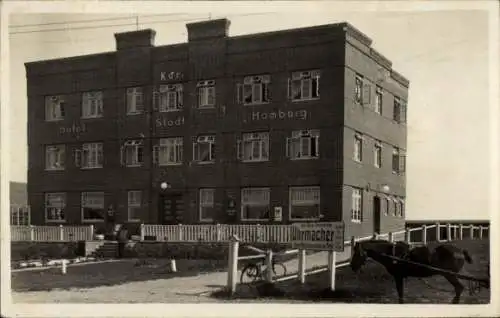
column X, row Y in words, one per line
column 171, row 208
column 376, row 214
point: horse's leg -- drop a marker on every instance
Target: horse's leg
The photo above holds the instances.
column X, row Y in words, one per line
column 399, row 287
column 458, row 287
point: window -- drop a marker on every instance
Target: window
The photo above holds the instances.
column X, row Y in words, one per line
column 254, row 147
column 304, row 144
column 378, row 100
column 207, row 204
column 90, row 156
column 206, row 94
column 92, row 105
column 304, row 85
column 204, row 149
column 255, row 204
column 135, row 102
column 168, row 151
column 255, row 90
column 399, row 112
column 132, row 153
column 54, row 108
column 362, row 91
column 55, row 157
column 92, row 206
column 55, row 203
column 134, row 205
column 304, row 202
column 358, row 148
column 387, row 206
column 169, row 98
column 377, row 154
column 401, row 208
column 357, row 206
column 398, row 161
column 19, row 215
column 395, row 211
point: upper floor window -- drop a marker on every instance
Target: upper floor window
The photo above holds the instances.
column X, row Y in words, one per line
column 54, row 108
column 135, row 100
column 362, row 91
column 204, row 149
column 89, row 156
column 254, row 147
column 55, row 157
column 207, row 205
column 357, row 205
column 304, row 85
column 92, row 206
column 358, row 148
column 134, row 205
column 55, row 204
column 132, row 153
column 168, row 151
column 304, row 144
column 377, row 155
column 305, row 202
column 378, row 100
column 398, row 161
column 399, row 112
column 255, row 90
column 169, row 98
column 92, row 105
column 206, row 94
column 255, row 204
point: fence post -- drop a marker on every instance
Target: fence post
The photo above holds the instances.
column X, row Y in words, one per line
column 480, row 232
column 233, row 264
column 332, row 266
column 91, row 228
column 61, row 232
column 472, row 231
column 424, row 234
column 438, row 232
column 391, row 237
column 181, row 234
column 461, row 231
column 219, row 232
column 407, row 235
column 302, row 266
column 269, row 265
column 141, row 231
column 448, row 232
column 32, row 233
column 353, row 243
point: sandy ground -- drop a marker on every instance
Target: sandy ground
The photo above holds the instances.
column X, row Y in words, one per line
column 198, row 281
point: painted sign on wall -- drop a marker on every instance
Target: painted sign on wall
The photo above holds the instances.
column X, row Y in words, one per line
column 280, row 115
column 164, row 122
column 171, row 76
column 74, row 129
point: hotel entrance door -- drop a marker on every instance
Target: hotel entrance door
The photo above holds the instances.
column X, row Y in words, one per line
column 171, row 208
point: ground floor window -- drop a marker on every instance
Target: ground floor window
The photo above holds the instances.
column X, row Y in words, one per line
column 357, row 205
column 55, row 204
column 92, row 206
column 134, row 205
column 19, row 215
column 305, row 202
column 207, row 204
column 255, row 204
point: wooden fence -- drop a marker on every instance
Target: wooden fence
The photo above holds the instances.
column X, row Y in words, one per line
column 223, row 232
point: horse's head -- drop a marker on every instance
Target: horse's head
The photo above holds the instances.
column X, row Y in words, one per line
column 359, row 257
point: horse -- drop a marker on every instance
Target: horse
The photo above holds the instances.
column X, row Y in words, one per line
column 444, row 256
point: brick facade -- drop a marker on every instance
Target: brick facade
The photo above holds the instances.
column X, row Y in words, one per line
column 338, row 51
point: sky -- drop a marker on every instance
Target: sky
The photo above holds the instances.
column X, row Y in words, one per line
column 445, row 59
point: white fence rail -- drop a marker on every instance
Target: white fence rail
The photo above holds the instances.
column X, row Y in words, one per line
column 247, row 233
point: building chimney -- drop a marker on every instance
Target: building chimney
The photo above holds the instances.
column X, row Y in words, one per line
column 204, row 30
column 135, row 39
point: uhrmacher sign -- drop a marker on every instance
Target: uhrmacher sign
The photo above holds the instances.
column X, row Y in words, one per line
column 319, row 236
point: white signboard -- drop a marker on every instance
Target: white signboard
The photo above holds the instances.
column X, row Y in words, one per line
column 319, row 236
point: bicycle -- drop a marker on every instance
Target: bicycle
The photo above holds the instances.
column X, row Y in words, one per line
column 258, row 271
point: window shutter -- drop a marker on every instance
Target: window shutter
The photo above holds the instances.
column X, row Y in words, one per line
column 78, row 158
column 122, row 155
column 288, row 141
column 195, row 151
column 239, row 93
column 266, row 92
column 289, row 89
column 239, row 151
column 402, row 163
column 366, row 94
column 156, row 99
column 180, row 102
column 156, row 154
